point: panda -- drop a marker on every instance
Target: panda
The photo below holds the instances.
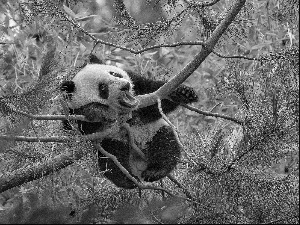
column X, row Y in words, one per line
column 106, row 93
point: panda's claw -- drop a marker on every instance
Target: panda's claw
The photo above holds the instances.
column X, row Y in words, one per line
column 184, row 94
column 154, row 175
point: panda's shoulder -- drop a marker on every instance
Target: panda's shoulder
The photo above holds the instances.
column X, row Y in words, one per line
column 144, row 132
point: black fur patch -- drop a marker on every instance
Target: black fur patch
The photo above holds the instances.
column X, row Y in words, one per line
column 94, row 59
column 67, row 86
column 163, row 153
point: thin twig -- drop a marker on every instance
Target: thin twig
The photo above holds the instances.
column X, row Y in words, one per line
column 63, row 139
column 186, row 192
column 48, row 117
column 212, row 114
column 7, row 43
column 212, row 109
column 202, row 4
column 235, row 56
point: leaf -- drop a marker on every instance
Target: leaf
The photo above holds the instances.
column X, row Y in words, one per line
column 82, row 47
column 69, row 11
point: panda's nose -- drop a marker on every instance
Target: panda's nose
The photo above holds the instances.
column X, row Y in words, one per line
column 125, row 87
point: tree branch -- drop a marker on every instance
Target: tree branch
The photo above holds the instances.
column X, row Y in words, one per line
column 201, row 4
column 38, row 170
column 212, row 114
column 186, row 192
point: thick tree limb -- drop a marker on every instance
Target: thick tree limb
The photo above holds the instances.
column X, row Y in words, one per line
column 38, row 170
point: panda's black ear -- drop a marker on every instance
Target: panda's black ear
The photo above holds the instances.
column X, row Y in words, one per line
column 67, row 86
column 94, row 59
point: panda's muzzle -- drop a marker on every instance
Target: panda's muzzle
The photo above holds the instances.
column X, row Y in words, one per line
column 126, row 98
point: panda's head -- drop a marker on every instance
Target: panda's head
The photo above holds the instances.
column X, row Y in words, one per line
column 100, row 85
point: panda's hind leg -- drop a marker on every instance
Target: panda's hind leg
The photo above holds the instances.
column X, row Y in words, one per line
column 163, row 154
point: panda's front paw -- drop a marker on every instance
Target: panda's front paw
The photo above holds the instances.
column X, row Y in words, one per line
column 153, row 174
column 184, row 94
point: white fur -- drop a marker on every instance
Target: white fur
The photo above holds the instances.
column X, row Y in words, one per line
column 87, row 81
column 143, row 134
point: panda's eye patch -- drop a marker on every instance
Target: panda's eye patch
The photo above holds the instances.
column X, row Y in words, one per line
column 103, row 90
column 115, row 74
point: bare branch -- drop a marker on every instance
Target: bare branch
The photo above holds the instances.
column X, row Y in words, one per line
column 212, row 114
column 236, row 56
column 7, row 43
column 49, row 117
column 186, row 192
column 39, row 170
column 201, row 4
column 167, row 45
column 95, row 136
